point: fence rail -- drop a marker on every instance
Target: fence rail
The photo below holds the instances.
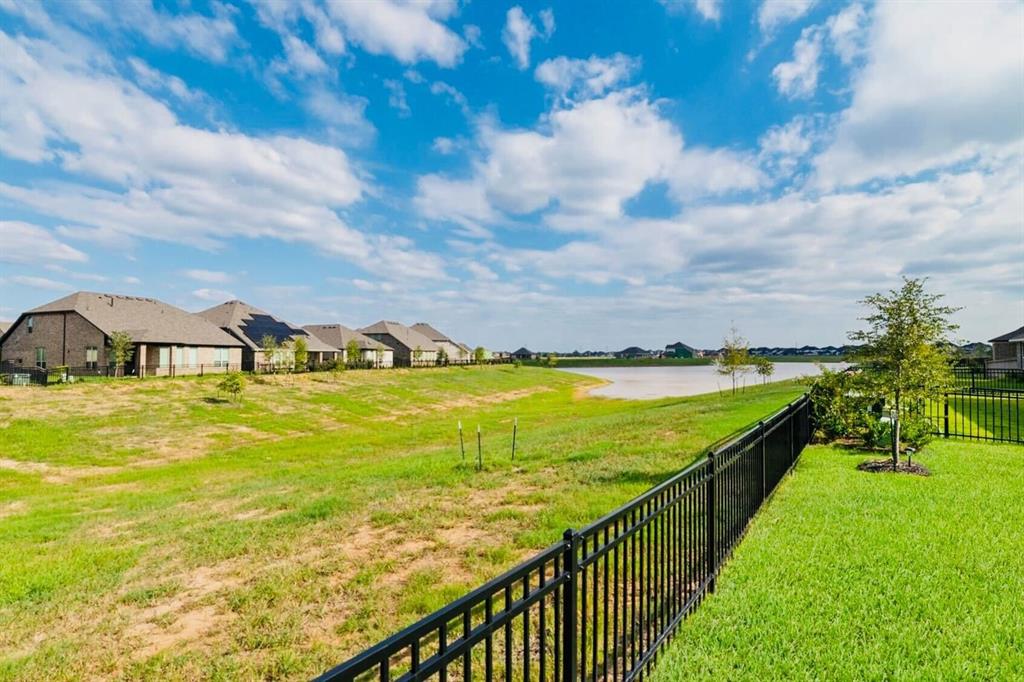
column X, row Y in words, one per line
column 601, row 603
column 970, row 378
column 979, row 414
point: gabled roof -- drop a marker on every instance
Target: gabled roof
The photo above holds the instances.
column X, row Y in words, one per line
column 680, row 344
column 633, row 350
column 250, row 324
column 409, row 338
column 430, row 332
column 523, row 350
column 1014, row 336
column 146, row 320
column 339, row 336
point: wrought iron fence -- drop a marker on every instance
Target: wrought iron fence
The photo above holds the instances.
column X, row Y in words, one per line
column 971, row 378
column 601, row 603
column 979, row 414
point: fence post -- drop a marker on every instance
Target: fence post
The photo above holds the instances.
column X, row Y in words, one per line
column 710, row 503
column 945, row 415
column 570, row 567
column 764, row 462
column 792, row 434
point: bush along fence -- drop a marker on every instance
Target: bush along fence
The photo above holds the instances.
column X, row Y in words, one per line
column 603, row 602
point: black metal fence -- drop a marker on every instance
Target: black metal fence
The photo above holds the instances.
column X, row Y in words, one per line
column 971, row 378
column 602, row 603
column 979, row 414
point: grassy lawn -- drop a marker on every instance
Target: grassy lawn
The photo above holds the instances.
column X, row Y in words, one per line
column 150, row 529
column 854, row 576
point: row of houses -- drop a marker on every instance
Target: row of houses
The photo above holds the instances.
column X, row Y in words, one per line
column 76, row 331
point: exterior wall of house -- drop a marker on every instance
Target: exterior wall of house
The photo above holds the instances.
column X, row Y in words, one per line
column 453, row 351
column 164, row 360
column 1003, row 350
column 64, row 336
column 387, row 357
column 402, row 355
column 1006, row 355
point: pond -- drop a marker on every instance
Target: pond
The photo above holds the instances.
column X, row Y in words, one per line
column 644, row 383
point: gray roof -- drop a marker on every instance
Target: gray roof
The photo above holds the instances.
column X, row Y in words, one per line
column 680, row 344
column 146, row 320
column 339, row 336
column 430, row 332
column 409, row 338
column 1015, row 335
column 250, row 324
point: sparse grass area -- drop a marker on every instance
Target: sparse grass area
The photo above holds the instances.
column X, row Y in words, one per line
column 149, row 530
column 849, row 575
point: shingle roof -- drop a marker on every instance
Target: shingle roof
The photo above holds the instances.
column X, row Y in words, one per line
column 339, row 335
column 680, row 344
column 1015, row 335
column 430, row 332
column 409, row 338
column 250, row 324
column 146, row 320
column 522, row 351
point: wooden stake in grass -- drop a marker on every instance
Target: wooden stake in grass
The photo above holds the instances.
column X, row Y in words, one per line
column 515, row 427
column 479, row 451
column 462, row 443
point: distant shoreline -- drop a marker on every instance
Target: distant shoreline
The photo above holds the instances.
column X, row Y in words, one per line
column 564, row 361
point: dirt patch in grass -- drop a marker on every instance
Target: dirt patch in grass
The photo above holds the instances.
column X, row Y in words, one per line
column 881, row 466
column 12, row 509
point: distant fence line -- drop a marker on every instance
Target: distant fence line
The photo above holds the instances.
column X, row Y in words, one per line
column 979, row 414
column 969, row 378
column 603, row 602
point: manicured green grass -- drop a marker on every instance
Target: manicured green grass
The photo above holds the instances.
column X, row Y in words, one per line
column 149, row 529
column 848, row 575
column 980, row 416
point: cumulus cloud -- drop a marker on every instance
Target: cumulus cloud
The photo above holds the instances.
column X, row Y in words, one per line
column 710, row 10
column 520, row 31
column 941, row 84
column 590, row 77
column 799, row 77
column 776, row 13
column 409, row 32
column 397, row 97
column 27, row 243
column 847, row 32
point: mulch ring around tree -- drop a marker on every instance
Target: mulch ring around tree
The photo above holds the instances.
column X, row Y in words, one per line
column 881, row 466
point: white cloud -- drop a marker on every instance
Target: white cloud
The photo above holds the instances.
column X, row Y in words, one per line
column 520, row 31
column 775, row 13
column 343, row 114
column 941, row 84
column 27, row 243
column 209, row 276
column 799, row 78
column 131, row 280
column 709, row 10
column 700, row 172
column 463, row 202
column 443, row 145
column 847, row 32
column 452, row 94
column 40, row 283
column 301, row 58
column 586, row 77
column 396, row 96
column 214, row 295
column 409, row 32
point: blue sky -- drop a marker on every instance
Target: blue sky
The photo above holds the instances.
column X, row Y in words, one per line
column 578, row 175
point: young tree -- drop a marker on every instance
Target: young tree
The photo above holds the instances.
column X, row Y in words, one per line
column 417, row 355
column 270, row 347
column 301, row 353
column 478, row 354
column 352, row 353
column 764, row 367
column 232, row 384
column 734, row 361
column 552, row 360
column 442, row 357
column 905, row 356
column 122, row 349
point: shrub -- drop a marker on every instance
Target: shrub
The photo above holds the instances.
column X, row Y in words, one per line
column 232, row 384
column 877, row 433
column 839, row 405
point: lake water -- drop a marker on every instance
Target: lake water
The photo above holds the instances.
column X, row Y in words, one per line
column 642, row 383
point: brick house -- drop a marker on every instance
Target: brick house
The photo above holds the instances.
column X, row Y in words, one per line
column 410, row 347
column 75, row 332
column 1008, row 350
column 249, row 325
column 371, row 351
column 455, row 351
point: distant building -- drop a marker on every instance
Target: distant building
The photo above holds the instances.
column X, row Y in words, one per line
column 410, row 347
column 250, row 325
column 1008, row 350
column 681, row 350
column 455, row 351
column 523, row 353
column 634, row 352
column 75, row 331
column 371, row 351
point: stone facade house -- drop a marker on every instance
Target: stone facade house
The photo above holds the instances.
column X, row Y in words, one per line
column 250, row 325
column 371, row 352
column 411, row 348
column 75, row 332
column 1008, row 350
column 455, row 351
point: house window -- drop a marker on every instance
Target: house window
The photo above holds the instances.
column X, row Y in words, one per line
column 92, row 357
column 41, row 357
column 186, row 356
column 165, row 357
column 220, row 357
column 30, row 322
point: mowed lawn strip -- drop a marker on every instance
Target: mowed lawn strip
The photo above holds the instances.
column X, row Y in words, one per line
column 848, row 575
column 150, row 529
